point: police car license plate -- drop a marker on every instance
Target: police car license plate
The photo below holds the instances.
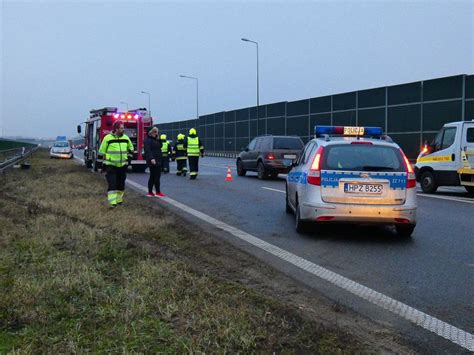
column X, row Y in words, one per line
column 289, row 156
column 375, row 189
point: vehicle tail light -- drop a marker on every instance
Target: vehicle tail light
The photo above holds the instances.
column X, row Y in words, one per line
column 314, row 174
column 411, row 178
column 402, row 220
column 270, row 156
column 325, row 218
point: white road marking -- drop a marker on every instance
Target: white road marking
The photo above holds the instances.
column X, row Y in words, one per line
column 432, row 324
column 449, row 198
column 269, row 188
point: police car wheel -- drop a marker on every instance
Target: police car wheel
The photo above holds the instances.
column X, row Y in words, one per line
column 428, row 183
column 405, row 230
column 300, row 225
column 240, row 168
column 288, row 207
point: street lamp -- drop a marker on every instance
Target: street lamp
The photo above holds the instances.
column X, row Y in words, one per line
column 125, row 103
column 149, row 107
column 258, row 96
column 197, row 93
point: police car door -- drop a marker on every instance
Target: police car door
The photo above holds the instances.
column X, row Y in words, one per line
column 467, row 142
column 297, row 176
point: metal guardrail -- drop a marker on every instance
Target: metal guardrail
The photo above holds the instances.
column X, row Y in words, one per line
column 230, row 155
column 10, row 157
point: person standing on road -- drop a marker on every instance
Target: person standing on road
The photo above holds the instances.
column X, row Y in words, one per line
column 153, row 159
column 165, row 154
column 194, row 149
column 181, row 157
column 114, row 151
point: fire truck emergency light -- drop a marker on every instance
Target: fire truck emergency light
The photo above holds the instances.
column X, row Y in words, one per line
column 128, row 116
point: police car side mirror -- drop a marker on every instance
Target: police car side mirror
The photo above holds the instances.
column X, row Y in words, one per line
column 246, row 149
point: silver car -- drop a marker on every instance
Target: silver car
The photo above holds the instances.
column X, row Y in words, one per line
column 353, row 175
column 61, row 150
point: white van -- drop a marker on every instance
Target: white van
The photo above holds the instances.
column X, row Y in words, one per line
column 449, row 159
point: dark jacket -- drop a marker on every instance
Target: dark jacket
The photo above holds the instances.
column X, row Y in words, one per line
column 152, row 149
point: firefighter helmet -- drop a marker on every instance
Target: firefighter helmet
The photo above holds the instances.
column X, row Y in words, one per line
column 163, row 137
column 180, row 136
column 192, row 131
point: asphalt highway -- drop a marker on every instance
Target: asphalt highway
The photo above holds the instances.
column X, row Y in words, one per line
column 432, row 272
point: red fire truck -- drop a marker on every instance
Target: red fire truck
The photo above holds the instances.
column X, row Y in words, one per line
column 100, row 123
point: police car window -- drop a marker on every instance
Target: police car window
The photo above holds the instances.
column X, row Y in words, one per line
column 258, row 143
column 361, row 157
column 304, row 154
column 470, row 135
column 309, row 153
column 252, row 144
column 448, row 137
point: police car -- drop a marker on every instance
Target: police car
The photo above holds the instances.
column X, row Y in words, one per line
column 353, row 175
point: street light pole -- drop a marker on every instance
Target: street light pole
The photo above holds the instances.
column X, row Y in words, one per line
column 125, row 103
column 149, row 106
column 258, row 79
column 197, row 93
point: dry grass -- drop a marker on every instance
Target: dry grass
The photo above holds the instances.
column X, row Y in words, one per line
column 75, row 277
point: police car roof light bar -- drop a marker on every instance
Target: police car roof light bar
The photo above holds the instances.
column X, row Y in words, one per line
column 348, row 131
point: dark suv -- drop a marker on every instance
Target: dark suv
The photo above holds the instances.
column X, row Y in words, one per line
column 269, row 155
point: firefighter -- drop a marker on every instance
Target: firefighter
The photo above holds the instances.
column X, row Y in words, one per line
column 194, row 149
column 181, row 157
column 115, row 151
column 165, row 154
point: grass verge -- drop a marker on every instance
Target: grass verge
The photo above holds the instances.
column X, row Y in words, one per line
column 76, row 277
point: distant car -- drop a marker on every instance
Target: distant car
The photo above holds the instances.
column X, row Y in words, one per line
column 352, row 175
column 269, row 155
column 61, row 150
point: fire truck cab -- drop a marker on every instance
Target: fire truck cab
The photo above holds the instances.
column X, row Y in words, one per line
column 449, row 159
column 100, row 123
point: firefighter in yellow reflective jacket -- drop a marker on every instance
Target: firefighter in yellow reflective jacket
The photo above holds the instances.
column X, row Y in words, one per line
column 114, row 151
column 181, row 156
column 194, row 149
column 165, row 154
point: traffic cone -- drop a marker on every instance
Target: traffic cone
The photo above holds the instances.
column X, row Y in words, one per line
column 229, row 175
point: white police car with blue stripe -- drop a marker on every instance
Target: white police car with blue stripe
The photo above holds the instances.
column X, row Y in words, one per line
column 352, row 175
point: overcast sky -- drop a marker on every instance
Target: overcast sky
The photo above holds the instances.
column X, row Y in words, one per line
column 60, row 59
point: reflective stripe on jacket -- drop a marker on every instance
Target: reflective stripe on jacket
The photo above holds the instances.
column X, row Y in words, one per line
column 165, row 148
column 115, row 149
column 193, row 148
column 180, row 151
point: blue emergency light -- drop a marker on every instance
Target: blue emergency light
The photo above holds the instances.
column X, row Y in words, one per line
column 348, row 131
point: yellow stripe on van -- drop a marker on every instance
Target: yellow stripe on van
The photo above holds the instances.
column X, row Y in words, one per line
column 435, row 159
